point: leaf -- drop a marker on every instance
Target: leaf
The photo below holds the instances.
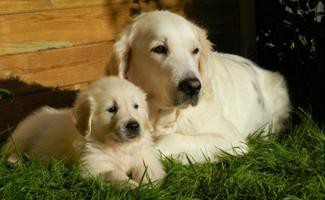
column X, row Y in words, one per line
column 5, row 95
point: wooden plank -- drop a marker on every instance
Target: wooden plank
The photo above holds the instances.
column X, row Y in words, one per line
column 177, row 6
column 77, row 86
column 63, row 28
column 55, row 68
column 22, row 6
column 13, row 112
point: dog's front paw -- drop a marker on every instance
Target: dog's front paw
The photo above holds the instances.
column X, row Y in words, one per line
column 239, row 149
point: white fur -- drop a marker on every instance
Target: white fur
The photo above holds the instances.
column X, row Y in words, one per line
column 92, row 136
column 236, row 99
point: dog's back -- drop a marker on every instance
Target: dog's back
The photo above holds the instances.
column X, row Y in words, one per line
column 260, row 95
column 48, row 133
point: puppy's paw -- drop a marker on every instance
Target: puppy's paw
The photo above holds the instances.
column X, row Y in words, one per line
column 132, row 184
column 118, row 178
column 12, row 159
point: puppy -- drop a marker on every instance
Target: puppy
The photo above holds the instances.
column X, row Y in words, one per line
column 107, row 132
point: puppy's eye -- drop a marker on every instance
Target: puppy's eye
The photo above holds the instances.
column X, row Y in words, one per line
column 136, row 106
column 159, row 49
column 112, row 109
column 195, row 51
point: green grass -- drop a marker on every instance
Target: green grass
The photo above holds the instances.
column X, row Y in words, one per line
column 289, row 165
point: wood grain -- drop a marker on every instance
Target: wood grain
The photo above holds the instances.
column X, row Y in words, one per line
column 64, row 28
column 22, row 6
column 48, row 29
column 56, row 68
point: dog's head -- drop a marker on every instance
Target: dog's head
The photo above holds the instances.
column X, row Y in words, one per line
column 111, row 108
column 164, row 54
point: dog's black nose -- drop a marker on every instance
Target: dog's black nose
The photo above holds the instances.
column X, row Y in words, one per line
column 190, row 86
column 133, row 129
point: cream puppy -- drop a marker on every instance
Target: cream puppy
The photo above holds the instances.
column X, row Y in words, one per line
column 107, row 132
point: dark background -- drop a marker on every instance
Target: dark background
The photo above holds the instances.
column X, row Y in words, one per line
column 280, row 35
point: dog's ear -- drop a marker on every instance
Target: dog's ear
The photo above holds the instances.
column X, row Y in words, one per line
column 83, row 112
column 119, row 61
column 205, row 51
column 147, row 124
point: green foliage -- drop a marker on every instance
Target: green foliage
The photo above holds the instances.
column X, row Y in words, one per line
column 288, row 165
column 5, row 94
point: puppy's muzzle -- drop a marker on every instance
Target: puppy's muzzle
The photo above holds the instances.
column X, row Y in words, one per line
column 190, row 88
column 132, row 129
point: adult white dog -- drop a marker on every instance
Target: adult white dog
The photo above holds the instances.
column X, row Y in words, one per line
column 200, row 101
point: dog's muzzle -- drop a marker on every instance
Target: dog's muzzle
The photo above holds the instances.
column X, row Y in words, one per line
column 188, row 91
column 132, row 129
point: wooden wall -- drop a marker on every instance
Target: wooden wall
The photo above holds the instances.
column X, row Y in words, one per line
column 50, row 48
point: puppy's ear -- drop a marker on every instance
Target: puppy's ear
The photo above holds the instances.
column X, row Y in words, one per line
column 205, row 51
column 119, row 61
column 83, row 112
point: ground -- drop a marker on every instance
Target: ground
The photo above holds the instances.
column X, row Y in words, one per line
column 287, row 165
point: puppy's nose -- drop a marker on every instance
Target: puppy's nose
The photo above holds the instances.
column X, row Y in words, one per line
column 190, row 86
column 133, row 129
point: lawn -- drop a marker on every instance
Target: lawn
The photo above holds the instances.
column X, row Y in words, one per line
column 288, row 165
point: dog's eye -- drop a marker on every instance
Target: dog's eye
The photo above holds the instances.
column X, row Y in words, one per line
column 112, row 109
column 195, row 51
column 136, row 106
column 159, row 49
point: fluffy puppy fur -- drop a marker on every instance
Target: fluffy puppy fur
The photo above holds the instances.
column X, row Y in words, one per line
column 200, row 101
column 107, row 132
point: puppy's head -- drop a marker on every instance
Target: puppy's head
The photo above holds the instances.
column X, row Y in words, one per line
column 111, row 108
column 164, row 54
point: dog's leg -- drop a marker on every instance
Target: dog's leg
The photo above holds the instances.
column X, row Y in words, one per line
column 149, row 168
column 118, row 177
column 198, row 147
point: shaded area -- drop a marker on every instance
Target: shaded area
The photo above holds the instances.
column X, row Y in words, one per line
column 291, row 40
column 23, row 103
column 221, row 19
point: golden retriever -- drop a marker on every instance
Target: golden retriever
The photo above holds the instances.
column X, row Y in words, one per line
column 107, row 132
column 200, row 101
